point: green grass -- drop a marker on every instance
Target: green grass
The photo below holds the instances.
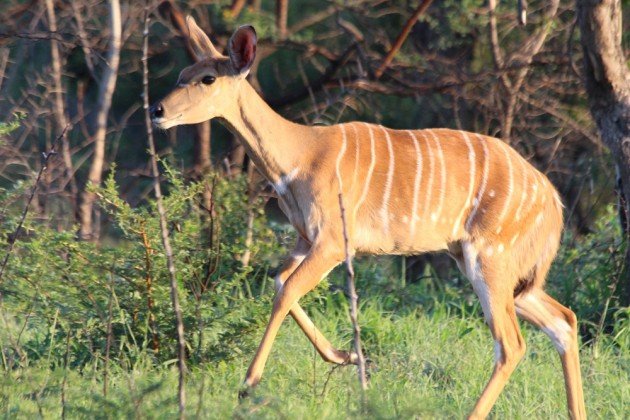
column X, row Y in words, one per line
column 425, row 365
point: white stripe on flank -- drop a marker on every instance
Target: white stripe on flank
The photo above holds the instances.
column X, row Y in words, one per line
column 388, row 183
column 416, row 183
column 429, row 191
column 510, row 191
column 435, row 215
column 523, row 190
column 534, row 185
column 484, row 182
column 368, row 178
column 356, row 156
column 471, row 182
column 340, row 156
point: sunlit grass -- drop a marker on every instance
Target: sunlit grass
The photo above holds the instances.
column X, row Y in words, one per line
column 424, row 365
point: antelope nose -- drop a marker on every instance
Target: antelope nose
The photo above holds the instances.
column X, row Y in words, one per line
column 156, row 111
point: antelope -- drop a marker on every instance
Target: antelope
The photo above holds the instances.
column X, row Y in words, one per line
column 404, row 192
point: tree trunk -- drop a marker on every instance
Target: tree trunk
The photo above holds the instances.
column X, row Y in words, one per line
column 282, row 12
column 59, row 108
column 607, row 80
column 106, row 90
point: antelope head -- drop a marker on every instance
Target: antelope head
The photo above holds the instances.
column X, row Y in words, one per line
column 208, row 88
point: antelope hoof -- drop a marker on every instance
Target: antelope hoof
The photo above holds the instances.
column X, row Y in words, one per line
column 245, row 392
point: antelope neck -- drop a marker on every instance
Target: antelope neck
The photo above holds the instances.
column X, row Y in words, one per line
column 277, row 146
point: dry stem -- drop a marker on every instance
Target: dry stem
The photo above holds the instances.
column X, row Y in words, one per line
column 181, row 343
column 353, row 303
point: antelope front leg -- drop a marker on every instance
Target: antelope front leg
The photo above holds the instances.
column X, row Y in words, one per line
column 317, row 263
column 320, row 342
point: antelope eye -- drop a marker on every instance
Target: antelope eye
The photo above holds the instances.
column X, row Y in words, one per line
column 208, row 80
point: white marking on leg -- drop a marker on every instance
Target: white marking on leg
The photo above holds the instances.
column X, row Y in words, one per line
column 484, row 182
column 510, row 191
column 471, row 183
column 342, row 151
column 498, row 353
column 282, row 184
column 435, row 215
column 277, row 280
column 475, row 276
column 560, row 333
column 416, row 183
column 368, row 178
column 388, row 183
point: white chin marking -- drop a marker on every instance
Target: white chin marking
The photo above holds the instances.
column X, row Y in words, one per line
column 162, row 124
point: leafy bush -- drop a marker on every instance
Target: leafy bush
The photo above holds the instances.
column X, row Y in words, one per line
column 588, row 272
column 58, row 290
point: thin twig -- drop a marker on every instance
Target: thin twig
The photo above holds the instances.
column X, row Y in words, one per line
column 14, row 237
column 108, row 341
column 402, row 37
column 353, row 304
column 181, row 343
column 65, row 375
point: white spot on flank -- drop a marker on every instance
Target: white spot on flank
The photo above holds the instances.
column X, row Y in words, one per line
column 539, row 218
column 437, row 212
column 491, row 193
column 366, row 188
column 489, row 251
column 405, row 219
column 416, row 183
column 510, row 190
column 284, row 181
column 513, row 240
column 500, row 248
column 388, row 182
column 471, row 183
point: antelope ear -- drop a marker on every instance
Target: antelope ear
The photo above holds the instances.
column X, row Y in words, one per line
column 201, row 44
column 242, row 48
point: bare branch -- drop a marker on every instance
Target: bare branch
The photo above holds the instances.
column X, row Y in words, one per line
column 181, row 341
column 15, row 235
column 402, row 37
column 353, row 304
